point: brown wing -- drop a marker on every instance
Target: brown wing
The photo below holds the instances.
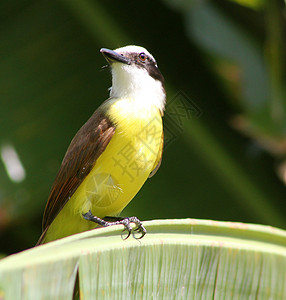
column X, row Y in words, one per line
column 85, row 148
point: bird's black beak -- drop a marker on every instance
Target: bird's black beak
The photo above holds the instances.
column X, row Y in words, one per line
column 112, row 56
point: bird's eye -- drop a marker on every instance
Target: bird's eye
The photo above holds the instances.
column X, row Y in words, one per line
column 142, row 56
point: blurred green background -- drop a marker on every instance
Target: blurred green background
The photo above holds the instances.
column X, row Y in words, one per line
column 227, row 59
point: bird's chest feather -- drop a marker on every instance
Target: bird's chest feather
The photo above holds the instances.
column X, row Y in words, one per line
column 138, row 131
column 126, row 162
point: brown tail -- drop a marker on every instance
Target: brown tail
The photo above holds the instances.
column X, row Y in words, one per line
column 42, row 237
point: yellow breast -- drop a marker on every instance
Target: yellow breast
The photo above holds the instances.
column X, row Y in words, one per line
column 119, row 172
column 127, row 161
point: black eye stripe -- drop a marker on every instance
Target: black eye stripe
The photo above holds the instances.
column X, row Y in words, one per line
column 149, row 64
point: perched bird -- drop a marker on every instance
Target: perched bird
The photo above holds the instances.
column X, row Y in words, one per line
column 113, row 153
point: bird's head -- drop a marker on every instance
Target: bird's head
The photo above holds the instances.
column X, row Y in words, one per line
column 135, row 73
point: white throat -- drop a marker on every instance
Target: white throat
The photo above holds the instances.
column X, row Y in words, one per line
column 135, row 83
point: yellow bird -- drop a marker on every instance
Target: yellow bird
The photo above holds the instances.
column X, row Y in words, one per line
column 113, row 153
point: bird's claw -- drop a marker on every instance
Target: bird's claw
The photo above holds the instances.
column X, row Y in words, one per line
column 126, row 222
column 139, row 227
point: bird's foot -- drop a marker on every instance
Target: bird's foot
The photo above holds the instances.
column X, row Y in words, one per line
column 126, row 222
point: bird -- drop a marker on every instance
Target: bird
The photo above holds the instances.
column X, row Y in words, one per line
column 113, row 153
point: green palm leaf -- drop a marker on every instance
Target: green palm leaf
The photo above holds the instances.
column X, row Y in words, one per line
column 177, row 259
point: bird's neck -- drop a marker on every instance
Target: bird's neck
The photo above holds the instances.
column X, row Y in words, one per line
column 140, row 87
